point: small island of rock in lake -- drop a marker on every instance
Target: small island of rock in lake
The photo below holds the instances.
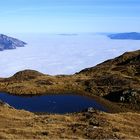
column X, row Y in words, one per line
column 10, row 43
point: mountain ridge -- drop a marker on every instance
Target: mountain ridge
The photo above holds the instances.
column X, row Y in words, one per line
column 129, row 35
column 7, row 42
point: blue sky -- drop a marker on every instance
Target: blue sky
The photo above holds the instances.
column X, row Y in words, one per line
column 17, row 16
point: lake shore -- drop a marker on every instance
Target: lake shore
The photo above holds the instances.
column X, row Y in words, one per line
column 112, row 80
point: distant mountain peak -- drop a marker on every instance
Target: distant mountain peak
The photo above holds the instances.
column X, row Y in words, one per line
column 7, row 42
column 129, row 35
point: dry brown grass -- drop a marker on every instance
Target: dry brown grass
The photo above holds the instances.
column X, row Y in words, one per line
column 20, row 124
column 127, row 125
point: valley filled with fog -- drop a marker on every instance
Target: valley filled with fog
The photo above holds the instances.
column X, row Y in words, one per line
column 61, row 53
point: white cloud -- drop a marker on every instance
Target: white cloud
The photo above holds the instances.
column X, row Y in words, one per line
column 54, row 54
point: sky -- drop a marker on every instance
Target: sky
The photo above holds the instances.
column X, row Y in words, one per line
column 61, row 16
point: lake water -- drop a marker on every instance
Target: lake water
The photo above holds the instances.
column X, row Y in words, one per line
column 51, row 103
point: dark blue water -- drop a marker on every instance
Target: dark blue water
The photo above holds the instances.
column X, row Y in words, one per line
column 51, row 103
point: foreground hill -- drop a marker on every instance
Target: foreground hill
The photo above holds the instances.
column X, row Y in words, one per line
column 15, row 124
column 117, row 80
column 10, row 43
column 131, row 35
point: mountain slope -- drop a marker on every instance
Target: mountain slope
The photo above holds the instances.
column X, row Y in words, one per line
column 120, row 71
column 15, row 124
column 10, row 43
column 117, row 80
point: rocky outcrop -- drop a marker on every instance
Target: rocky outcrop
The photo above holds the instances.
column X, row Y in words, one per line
column 10, row 43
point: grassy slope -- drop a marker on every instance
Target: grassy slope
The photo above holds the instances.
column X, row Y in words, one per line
column 15, row 124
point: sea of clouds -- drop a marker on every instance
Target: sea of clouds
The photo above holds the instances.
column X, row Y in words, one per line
column 62, row 53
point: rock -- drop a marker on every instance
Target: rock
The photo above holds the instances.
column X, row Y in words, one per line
column 4, row 104
column 91, row 110
column 94, row 122
column 122, row 99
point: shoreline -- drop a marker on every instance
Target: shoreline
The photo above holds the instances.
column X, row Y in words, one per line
column 109, row 106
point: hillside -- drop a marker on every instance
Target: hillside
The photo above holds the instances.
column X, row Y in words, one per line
column 15, row 124
column 10, row 43
column 120, row 73
column 117, row 80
